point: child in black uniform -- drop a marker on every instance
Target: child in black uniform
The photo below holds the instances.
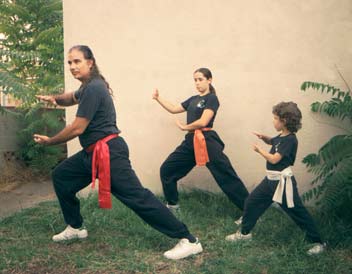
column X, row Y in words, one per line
column 197, row 148
column 279, row 185
column 103, row 150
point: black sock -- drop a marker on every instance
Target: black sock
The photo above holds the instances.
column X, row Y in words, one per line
column 191, row 238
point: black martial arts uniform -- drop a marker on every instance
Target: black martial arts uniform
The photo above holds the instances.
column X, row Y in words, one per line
column 182, row 160
column 73, row 174
column 261, row 197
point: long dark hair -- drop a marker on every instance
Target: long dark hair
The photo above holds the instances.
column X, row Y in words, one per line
column 207, row 74
column 94, row 72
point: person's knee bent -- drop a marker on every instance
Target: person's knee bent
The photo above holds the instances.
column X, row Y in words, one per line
column 164, row 174
column 56, row 175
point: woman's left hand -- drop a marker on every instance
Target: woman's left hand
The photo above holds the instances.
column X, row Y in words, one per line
column 180, row 125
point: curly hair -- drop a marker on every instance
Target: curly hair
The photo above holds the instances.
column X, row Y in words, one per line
column 289, row 113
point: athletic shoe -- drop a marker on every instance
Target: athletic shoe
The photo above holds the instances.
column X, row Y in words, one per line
column 317, row 249
column 238, row 221
column 183, row 249
column 238, row 236
column 173, row 207
column 71, row 233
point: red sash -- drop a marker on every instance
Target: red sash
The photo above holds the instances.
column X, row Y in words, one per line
column 101, row 166
column 200, row 146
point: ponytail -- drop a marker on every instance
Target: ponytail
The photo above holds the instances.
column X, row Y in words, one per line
column 94, row 72
column 207, row 74
column 212, row 89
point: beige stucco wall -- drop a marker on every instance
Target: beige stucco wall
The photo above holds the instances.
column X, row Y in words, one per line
column 259, row 51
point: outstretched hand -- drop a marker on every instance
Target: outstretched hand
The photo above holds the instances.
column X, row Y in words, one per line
column 256, row 148
column 47, row 98
column 259, row 135
column 41, row 139
column 155, row 94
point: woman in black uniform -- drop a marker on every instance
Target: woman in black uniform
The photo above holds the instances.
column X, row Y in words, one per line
column 201, row 146
column 103, row 149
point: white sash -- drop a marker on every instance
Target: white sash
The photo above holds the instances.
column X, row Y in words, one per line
column 284, row 178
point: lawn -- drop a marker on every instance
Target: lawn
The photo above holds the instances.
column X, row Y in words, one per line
column 119, row 242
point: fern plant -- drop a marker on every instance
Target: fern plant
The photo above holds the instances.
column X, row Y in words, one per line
column 32, row 63
column 332, row 165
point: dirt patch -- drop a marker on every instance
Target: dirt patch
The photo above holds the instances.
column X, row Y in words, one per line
column 25, row 195
column 15, row 173
column 36, row 267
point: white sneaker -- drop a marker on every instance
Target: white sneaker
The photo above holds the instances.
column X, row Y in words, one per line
column 316, row 249
column 183, row 249
column 239, row 221
column 238, row 236
column 71, row 233
column 173, row 207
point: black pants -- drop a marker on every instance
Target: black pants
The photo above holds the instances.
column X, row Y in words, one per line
column 74, row 173
column 261, row 198
column 182, row 160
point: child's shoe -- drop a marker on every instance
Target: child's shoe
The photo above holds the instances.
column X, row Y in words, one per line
column 239, row 221
column 317, row 249
column 238, row 236
column 175, row 209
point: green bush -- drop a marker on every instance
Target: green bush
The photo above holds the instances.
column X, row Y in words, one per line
column 332, row 165
column 46, row 121
column 32, row 55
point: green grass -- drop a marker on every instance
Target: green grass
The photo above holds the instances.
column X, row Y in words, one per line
column 120, row 242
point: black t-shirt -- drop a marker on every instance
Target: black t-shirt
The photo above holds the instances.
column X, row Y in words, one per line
column 197, row 104
column 286, row 146
column 96, row 105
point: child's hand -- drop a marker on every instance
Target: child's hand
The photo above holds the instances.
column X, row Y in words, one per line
column 256, row 148
column 260, row 136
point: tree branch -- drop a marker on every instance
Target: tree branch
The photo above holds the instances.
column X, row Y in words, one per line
column 348, row 87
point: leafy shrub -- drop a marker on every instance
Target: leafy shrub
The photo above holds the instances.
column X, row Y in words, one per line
column 332, row 165
column 32, row 63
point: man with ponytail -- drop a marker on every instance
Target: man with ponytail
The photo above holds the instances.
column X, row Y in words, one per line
column 104, row 155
